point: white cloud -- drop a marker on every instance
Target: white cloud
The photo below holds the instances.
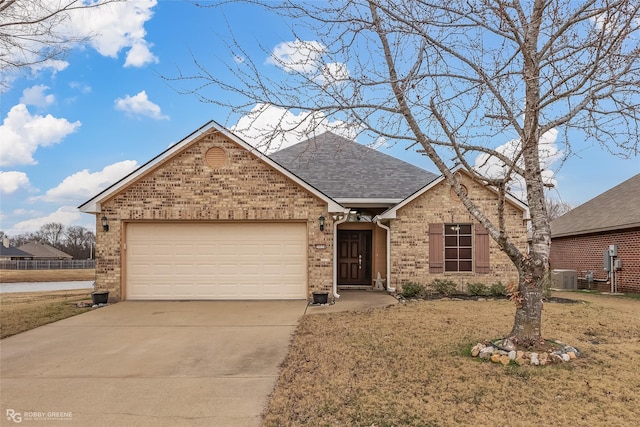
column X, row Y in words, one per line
column 67, row 215
column 116, row 26
column 84, row 184
column 305, row 57
column 109, row 28
column 379, row 142
column 139, row 105
column 270, row 128
column 82, row 87
column 36, row 96
column 22, row 133
column 297, row 56
column 12, row 181
column 549, row 153
column 139, row 55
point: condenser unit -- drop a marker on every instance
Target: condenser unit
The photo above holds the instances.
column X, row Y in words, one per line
column 565, row 279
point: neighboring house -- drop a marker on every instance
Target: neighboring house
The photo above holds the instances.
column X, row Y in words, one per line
column 580, row 237
column 214, row 218
column 43, row 251
column 8, row 252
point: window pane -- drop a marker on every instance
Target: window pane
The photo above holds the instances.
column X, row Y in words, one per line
column 451, row 253
column 451, row 241
column 465, row 253
column 465, row 266
column 465, row 240
column 451, row 266
column 465, row 229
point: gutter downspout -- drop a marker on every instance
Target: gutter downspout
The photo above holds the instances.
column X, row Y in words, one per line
column 345, row 216
column 379, row 224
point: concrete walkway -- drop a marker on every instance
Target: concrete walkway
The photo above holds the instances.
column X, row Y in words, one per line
column 355, row 300
column 209, row 363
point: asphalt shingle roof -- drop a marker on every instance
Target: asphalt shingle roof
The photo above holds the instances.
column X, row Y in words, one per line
column 343, row 169
column 615, row 209
column 13, row 252
column 42, row 250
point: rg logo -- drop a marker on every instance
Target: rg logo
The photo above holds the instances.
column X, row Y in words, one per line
column 14, row 416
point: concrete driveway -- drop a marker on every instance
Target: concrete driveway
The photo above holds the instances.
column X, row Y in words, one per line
column 210, row 363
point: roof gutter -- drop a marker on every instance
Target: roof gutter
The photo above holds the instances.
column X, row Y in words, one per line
column 379, row 224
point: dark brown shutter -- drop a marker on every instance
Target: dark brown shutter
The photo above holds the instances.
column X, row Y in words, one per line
column 482, row 250
column 436, row 248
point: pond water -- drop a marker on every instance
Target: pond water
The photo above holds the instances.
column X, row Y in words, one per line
column 44, row 286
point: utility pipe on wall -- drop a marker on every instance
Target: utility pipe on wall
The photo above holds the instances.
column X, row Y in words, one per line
column 336, row 222
column 379, row 224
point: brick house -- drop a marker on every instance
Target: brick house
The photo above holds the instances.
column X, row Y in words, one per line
column 580, row 237
column 212, row 217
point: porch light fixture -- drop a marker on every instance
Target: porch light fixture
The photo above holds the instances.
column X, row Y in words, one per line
column 105, row 223
column 321, row 221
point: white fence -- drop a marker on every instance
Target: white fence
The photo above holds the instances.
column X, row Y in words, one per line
column 47, row 264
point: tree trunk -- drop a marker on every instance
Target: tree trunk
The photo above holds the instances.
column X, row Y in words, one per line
column 527, row 326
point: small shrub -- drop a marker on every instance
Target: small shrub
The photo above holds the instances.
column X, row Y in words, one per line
column 412, row 290
column 477, row 289
column 444, row 287
column 498, row 290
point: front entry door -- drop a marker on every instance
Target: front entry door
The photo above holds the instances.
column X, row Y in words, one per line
column 354, row 257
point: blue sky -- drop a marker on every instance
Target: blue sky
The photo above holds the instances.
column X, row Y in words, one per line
column 71, row 129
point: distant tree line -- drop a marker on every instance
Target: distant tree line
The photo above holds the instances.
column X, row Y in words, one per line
column 77, row 241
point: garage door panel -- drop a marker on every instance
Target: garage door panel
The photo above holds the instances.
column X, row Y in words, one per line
column 216, row 261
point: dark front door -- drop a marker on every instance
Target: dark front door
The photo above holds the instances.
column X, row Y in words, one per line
column 354, row 257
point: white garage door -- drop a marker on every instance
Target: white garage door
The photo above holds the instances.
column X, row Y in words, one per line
column 186, row 261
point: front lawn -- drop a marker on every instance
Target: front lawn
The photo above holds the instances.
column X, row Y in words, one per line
column 408, row 365
column 22, row 311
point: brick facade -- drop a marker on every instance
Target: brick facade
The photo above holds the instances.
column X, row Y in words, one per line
column 186, row 188
column 410, row 235
column 585, row 253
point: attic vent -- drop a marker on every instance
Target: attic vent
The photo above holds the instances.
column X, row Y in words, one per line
column 216, row 157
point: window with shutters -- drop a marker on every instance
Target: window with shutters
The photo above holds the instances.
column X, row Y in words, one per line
column 458, row 247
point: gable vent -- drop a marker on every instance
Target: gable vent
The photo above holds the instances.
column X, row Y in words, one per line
column 216, row 157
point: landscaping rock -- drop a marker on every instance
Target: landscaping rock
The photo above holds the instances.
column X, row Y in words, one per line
column 535, row 361
column 508, row 345
column 475, row 351
column 486, row 352
column 496, row 354
column 568, row 349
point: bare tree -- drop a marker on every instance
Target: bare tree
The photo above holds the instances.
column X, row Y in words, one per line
column 34, row 31
column 556, row 207
column 52, row 233
column 78, row 242
column 455, row 80
column 22, row 239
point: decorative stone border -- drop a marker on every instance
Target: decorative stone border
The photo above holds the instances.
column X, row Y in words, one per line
column 496, row 354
